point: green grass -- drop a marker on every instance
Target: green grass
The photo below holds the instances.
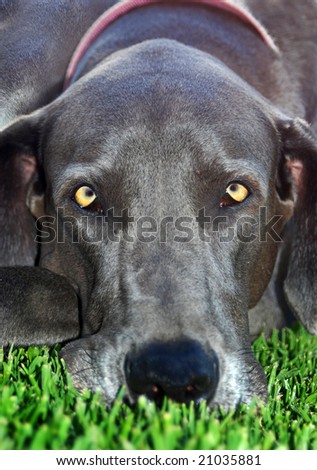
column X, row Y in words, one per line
column 39, row 408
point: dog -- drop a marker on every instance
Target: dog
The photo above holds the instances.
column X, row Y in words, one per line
column 173, row 187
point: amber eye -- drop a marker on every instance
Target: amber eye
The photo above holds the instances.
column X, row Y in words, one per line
column 86, row 198
column 235, row 193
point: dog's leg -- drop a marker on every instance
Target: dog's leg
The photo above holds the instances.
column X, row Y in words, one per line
column 32, row 70
column 36, row 307
column 272, row 311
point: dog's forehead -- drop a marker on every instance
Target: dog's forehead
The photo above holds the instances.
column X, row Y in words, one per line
column 165, row 100
column 155, row 82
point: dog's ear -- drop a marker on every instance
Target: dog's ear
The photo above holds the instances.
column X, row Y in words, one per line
column 19, row 165
column 298, row 171
column 37, row 306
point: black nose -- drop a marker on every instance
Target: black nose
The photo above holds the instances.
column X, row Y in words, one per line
column 181, row 370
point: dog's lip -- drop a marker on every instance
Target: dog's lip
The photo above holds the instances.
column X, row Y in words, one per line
column 157, row 397
column 74, row 286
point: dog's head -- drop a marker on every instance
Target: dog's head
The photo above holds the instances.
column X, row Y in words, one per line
column 163, row 186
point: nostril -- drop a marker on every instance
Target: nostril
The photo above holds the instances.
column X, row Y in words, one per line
column 182, row 371
column 156, row 394
column 155, row 389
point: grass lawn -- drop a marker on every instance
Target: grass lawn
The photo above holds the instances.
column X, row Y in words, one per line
column 39, row 408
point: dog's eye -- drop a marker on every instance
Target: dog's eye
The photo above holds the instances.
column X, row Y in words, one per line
column 235, row 193
column 86, row 198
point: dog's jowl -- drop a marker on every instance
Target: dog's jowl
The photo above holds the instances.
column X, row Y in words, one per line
column 160, row 210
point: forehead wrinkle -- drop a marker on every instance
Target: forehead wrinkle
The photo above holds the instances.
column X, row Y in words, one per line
column 221, row 166
column 76, row 171
column 247, row 168
column 231, row 152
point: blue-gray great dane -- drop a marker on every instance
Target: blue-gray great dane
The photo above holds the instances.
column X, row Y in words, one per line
column 161, row 210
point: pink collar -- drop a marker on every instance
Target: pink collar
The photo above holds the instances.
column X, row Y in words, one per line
column 124, row 6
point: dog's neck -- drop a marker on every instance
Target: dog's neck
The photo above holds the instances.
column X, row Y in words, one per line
column 125, row 6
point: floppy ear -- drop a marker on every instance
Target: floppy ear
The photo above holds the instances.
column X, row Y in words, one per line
column 31, row 311
column 299, row 168
column 19, row 145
